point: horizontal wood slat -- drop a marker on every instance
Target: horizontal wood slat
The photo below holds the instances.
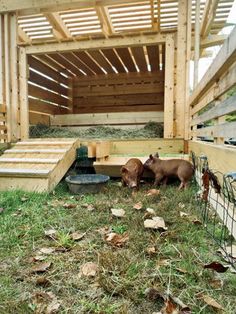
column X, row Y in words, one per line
column 225, row 107
column 43, row 107
column 223, row 130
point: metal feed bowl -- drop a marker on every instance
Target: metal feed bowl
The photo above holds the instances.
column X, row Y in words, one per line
column 86, row 183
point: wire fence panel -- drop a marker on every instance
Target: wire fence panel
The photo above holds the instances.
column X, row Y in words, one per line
column 217, row 203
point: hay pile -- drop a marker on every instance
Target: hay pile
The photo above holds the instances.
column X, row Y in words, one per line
column 150, row 130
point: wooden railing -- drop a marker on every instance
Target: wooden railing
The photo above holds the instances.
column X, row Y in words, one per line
column 211, row 101
column 3, row 128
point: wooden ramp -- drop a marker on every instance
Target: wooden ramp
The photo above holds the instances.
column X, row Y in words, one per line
column 37, row 164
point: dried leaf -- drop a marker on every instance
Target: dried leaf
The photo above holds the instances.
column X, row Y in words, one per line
column 1, row 210
column 117, row 239
column 210, row 301
column 217, row 267
column 151, row 250
column 181, row 205
column 24, row 199
column 40, row 268
column 183, row 214
column 216, row 283
column 119, row 212
column 196, row 221
column 169, row 308
column 90, row 208
column 153, row 192
column 38, row 258
column 70, row 206
column 42, row 281
column 47, row 250
column 163, row 262
column 77, row 236
column 151, row 211
column 181, row 270
column 138, row 206
column 89, row 269
column 51, row 233
column 155, row 223
column 53, row 307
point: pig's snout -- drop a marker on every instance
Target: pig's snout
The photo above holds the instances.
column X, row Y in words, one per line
column 132, row 184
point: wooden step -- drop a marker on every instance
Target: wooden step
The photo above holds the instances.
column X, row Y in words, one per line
column 30, row 160
column 37, row 143
column 51, row 151
column 23, row 172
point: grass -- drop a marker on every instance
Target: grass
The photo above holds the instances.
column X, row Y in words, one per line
column 124, row 273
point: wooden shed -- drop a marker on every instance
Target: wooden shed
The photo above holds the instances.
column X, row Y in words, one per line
column 118, row 62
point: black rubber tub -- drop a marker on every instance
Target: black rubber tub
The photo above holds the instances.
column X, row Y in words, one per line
column 86, row 183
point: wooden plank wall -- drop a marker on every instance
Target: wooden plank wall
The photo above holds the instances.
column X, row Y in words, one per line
column 210, row 102
column 49, row 90
column 123, row 92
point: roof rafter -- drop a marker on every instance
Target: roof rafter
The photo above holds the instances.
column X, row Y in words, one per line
column 60, row 30
column 208, row 17
column 105, row 20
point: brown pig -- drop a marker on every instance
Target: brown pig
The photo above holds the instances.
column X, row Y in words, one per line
column 163, row 169
column 131, row 173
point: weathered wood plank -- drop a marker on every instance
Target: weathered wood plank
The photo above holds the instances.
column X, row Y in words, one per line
column 224, row 130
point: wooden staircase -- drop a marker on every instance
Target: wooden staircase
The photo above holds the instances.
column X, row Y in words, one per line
column 37, row 164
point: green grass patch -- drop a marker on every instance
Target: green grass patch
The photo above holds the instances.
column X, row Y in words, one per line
column 123, row 273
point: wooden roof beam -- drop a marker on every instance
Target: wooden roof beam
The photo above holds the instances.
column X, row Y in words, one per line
column 23, row 36
column 208, row 17
column 60, row 30
column 132, row 41
column 105, row 20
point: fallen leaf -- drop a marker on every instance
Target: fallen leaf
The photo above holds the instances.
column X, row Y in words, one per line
column 181, row 205
column 1, row 210
column 151, row 211
column 183, row 214
column 40, row 268
column 210, row 301
column 70, row 206
column 119, row 212
column 138, row 206
column 24, row 199
column 155, row 223
column 152, row 192
column 181, row 270
column 90, row 208
column 42, row 281
column 163, row 262
column 77, row 236
column 216, row 283
column 89, row 269
column 47, row 250
column 51, row 233
column 38, row 258
column 53, row 307
column 196, row 221
column 117, row 239
column 217, row 267
column 85, row 205
column 151, row 250
column 169, row 308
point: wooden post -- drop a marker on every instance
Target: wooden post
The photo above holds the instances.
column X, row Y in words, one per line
column 2, row 81
column 169, row 87
column 196, row 42
column 188, row 58
column 14, row 77
column 24, row 106
column 70, row 95
column 181, row 68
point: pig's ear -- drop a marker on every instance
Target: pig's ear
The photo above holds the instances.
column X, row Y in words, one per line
column 150, row 156
column 123, row 169
column 156, row 155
